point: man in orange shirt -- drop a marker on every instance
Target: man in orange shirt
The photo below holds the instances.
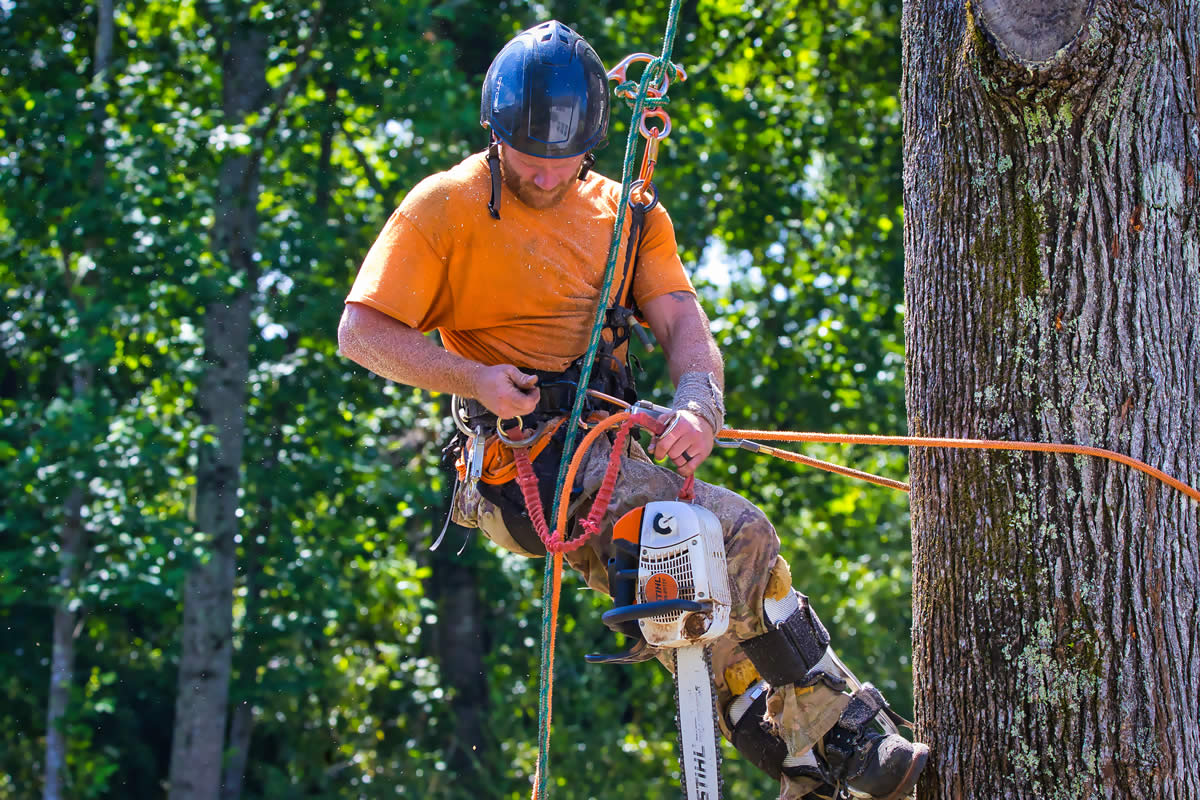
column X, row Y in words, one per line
column 504, row 256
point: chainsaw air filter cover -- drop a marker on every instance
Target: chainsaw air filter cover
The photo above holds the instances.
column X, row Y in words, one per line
column 682, row 556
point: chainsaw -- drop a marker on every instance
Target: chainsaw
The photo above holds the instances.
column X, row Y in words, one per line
column 670, row 588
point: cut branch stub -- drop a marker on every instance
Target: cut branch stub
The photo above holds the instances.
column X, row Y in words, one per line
column 1031, row 31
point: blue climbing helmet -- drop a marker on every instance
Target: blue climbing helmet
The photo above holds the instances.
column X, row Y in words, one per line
column 546, row 93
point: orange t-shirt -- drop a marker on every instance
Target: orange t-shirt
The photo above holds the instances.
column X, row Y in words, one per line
column 520, row 290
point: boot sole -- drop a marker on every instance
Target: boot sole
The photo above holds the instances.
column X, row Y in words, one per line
column 909, row 782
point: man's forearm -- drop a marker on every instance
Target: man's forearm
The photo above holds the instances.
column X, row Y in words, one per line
column 695, row 353
column 688, row 345
column 695, row 362
column 399, row 353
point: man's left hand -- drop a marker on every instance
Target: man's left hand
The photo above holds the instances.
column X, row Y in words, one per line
column 687, row 441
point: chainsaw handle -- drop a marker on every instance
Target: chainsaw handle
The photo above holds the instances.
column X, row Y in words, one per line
column 642, row 610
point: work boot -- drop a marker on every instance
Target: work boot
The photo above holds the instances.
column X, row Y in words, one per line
column 874, row 765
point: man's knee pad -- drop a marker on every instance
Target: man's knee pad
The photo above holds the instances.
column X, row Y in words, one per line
column 794, row 650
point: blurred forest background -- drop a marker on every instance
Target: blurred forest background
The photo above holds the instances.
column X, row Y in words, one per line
column 364, row 665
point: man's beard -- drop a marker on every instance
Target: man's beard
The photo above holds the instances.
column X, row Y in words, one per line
column 530, row 194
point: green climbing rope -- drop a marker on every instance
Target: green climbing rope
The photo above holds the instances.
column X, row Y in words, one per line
column 652, row 74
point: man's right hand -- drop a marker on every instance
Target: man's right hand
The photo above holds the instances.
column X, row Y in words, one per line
column 506, row 391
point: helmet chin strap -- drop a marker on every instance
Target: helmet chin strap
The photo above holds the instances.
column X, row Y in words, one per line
column 588, row 161
column 493, row 159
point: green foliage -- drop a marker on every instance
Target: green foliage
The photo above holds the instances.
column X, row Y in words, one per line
column 782, row 176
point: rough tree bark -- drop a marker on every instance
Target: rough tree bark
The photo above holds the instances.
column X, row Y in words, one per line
column 205, row 661
column 1053, row 293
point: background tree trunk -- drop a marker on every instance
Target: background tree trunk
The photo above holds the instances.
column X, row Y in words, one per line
column 250, row 656
column 73, row 541
column 1053, row 294
column 206, row 658
column 460, row 644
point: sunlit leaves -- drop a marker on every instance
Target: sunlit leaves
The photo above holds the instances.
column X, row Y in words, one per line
column 782, row 176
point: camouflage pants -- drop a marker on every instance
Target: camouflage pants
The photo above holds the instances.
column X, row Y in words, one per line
column 751, row 551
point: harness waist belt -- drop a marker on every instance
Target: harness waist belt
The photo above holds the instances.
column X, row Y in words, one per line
column 555, row 401
column 558, row 389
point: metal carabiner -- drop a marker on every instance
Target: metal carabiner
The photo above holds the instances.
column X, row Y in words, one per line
column 635, row 188
column 608, row 398
column 458, row 412
column 652, row 408
column 620, row 73
column 520, row 444
column 649, row 160
column 476, row 445
column 739, row 444
column 512, row 442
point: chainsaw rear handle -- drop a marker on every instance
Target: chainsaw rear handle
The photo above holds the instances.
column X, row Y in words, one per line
column 621, row 614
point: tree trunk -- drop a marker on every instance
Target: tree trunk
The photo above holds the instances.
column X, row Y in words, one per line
column 460, row 644
column 62, row 659
column 207, row 647
column 249, row 656
column 1053, row 294
column 241, row 726
column 73, row 542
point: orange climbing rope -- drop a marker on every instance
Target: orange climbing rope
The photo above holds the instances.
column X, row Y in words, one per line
column 556, row 543
column 932, row 441
column 747, row 439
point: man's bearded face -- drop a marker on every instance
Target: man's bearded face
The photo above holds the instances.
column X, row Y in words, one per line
column 538, row 182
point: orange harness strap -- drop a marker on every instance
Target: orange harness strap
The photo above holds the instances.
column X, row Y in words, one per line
column 499, row 465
